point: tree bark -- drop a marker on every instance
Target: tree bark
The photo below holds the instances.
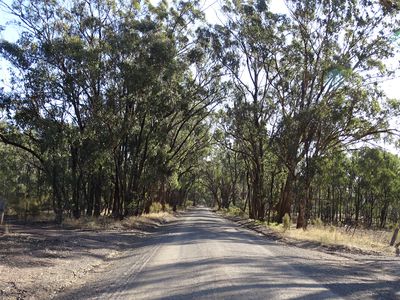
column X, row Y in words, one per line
column 76, row 211
column 284, row 206
column 394, row 237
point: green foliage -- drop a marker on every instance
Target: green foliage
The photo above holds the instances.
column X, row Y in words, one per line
column 21, row 185
column 156, row 207
column 174, row 181
column 235, row 211
column 309, row 91
column 111, row 100
column 114, row 103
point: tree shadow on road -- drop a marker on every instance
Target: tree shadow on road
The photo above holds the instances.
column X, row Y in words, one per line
column 285, row 273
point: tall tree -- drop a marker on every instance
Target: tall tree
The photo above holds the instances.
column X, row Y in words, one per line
column 108, row 95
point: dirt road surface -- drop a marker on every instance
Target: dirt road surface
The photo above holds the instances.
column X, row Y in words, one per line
column 203, row 256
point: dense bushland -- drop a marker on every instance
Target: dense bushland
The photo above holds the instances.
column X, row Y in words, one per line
column 110, row 106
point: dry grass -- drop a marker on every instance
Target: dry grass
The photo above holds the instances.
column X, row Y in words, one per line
column 91, row 223
column 152, row 219
column 107, row 223
column 367, row 240
column 234, row 211
column 146, row 220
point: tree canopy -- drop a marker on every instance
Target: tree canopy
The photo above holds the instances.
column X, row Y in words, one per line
column 115, row 105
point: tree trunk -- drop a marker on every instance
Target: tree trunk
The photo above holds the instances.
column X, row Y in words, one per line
column 76, row 210
column 304, row 199
column 284, row 206
column 117, row 198
column 57, row 196
column 358, row 202
column 271, row 196
column 394, row 237
column 97, row 195
column 90, row 198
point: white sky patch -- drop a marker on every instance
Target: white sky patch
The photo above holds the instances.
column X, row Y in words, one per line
column 392, row 87
column 278, row 7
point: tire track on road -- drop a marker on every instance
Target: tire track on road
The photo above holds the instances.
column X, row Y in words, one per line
column 130, row 275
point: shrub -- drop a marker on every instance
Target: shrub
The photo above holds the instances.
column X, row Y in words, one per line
column 188, row 203
column 167, row 208
column 393, row 225
column 235, row 211
column 155, row 207
column 318, row 223
column 287, row 222
column 324, row 239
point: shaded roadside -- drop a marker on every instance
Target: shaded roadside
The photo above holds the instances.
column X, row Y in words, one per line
column 203, row 256
column 305, row 244
column 39, row 259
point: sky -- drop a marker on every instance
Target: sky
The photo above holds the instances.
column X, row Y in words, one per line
column 391, row 87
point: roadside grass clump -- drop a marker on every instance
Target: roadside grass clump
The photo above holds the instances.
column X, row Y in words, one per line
column 275, row 226
column 367, row 240
column 258, row 222
column 393, row 225
column 92, row 223
column 318, row 223
column 287, row 222
column 148, row 220
column 234, row 211
column 33, row 215
column 155, row 217
column 151, row 219
column 161, row 215
column 188, row 203
column 155, row 207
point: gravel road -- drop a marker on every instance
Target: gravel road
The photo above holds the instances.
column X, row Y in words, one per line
column 203, row 256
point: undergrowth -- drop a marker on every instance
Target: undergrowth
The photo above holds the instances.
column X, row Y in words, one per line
column 363, row 239
column 109, row 223
column 368, row 240
column 234, row 211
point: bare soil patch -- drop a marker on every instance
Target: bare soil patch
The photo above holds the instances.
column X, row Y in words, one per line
column 38, row 260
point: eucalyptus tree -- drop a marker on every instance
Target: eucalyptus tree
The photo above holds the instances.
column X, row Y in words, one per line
column 60, row 92
column 378, row 172
column 22, row 185
column 182, row 97
column 245, row 46
column 333, row 188
column 311, row 82
column 109, row 96
column 359, row 187
column 326, row 85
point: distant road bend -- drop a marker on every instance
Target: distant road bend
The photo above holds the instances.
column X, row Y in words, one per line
column 202, row 256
